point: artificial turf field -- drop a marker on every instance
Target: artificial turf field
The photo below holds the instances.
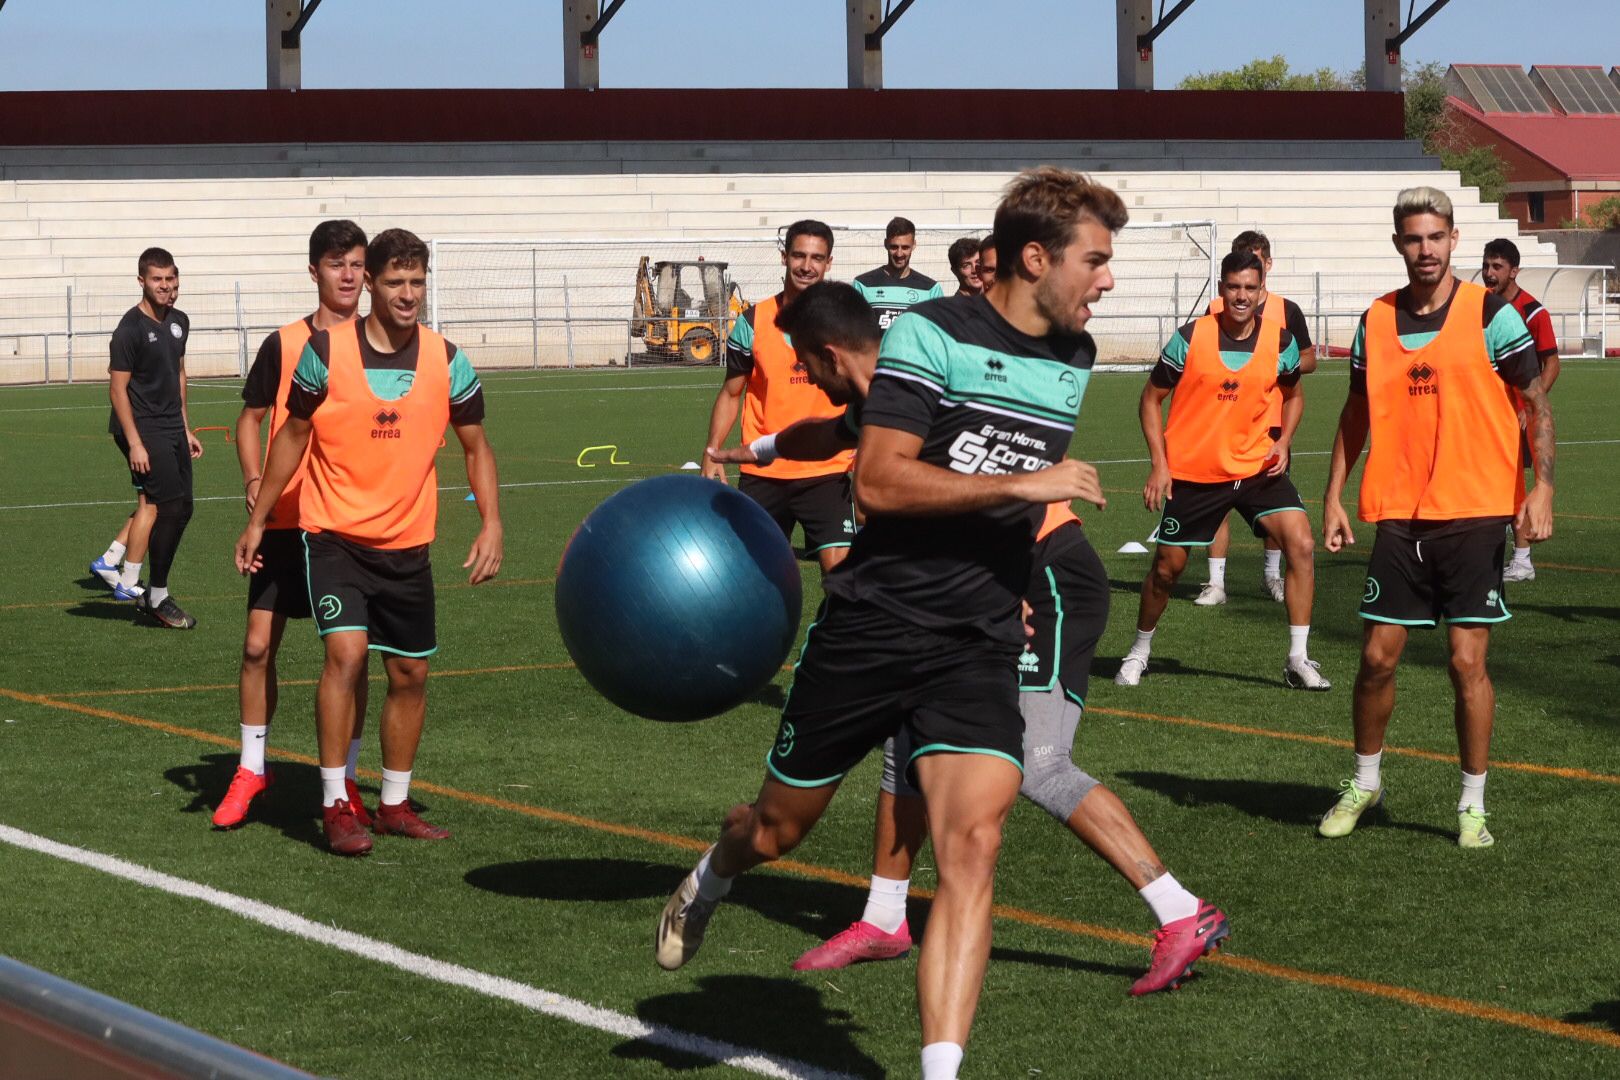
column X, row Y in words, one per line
column 1389, row 951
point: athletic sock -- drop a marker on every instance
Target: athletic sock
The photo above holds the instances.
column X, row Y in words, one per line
column 131, row 575
column 1297, row 637
column 254, row 737
column 1168, row 900
column 1217, row 573
column 351, row 769
column 332, row 789
column 710, row 885
column 395, row 786
column 1521, row 555
column 1143, row 645
column 114, row 553
column 1367, row 770
column 156, row 595
column 1273, row 563
column 940, row 1061
column 1473, row 792
column 886, row 903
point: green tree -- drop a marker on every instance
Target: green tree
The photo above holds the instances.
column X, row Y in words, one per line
column 1272, row 74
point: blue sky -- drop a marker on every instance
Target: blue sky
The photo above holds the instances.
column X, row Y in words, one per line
column 172, row 44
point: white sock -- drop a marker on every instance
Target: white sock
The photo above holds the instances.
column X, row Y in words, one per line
column 156, row 595
column 396, row 785
column 1143, row 645
column 1217, row 573
column 1297, row 637
column 254, row 737
column 940, row 1061
column 131, row 575
column 711, row 886
column 1473, row 792
column 1521, row 555
column 1168, row 899
column 332, row 789
column 886, row 903
column 114, row 553
column 349, row 770
column 1273, row 563
column 1367, row 770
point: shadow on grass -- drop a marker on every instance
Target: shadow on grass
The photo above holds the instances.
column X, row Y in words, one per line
column 108, row 609
column 770, row 695
column 291, row 804
column 1106, row 667
column 1570, row 613
column 1285, row 803
column 1602, row 1014
column 780, row 1016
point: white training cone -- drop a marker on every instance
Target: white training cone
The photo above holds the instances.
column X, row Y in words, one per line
column 1133, row 548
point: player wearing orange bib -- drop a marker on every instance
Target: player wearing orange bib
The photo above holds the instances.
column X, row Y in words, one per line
column 277, row 590
column 1217, row 454
column 1434, row 368
column 766, row 384
column 370, row 402
column 1270, row 309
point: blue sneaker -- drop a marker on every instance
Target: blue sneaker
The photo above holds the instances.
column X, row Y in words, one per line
column 105, row 571
column 128, row 592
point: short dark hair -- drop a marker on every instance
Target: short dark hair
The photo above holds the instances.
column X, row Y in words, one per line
column 395, row 246
column 153, row 256
column 808, row 227
column 1238, row 261
column 988, row 243
column 898, row 226
column 1044, row 206
column 334, row 237
column 1503, row 249
column 1252, row 240
column 961, row 249
column 829, row 313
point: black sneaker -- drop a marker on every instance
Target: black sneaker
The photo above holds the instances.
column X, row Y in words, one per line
column 168, row 613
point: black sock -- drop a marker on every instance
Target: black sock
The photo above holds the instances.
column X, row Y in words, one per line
column 172, row 517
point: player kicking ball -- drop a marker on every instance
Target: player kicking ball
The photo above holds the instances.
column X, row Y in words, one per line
column 835, row 336
column 369, row 402
column 278, row 591
column 1430, row 369
column 1216, row 454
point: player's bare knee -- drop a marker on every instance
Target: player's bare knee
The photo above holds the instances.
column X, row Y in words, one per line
column 407, row 674
column 1467, row 666
column 968, row 847
column 256, row 652
column 1300, row 546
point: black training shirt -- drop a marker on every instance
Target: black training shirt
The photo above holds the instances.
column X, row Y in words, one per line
column 151, row 351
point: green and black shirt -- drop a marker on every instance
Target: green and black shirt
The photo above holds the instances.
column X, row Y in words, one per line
column 891, row 296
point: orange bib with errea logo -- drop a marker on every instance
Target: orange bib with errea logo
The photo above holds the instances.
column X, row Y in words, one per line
column 1443, row 430
column 370, row 475
column 1275, row 311
column 1219, row 427
column 293, row 337
column 780, row 393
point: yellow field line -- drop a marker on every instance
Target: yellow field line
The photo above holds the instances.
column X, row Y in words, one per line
column 1579, row 569
column 1416, row 998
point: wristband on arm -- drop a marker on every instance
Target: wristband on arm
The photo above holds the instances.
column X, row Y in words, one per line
column 764, row 449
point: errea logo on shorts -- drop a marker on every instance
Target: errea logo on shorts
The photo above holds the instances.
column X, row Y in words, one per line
column 1029, row 662
column 993, row 452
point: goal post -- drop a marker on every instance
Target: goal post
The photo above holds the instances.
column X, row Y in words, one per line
column 599, row 301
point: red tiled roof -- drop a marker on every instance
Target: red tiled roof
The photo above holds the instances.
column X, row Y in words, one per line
column 1580, row 147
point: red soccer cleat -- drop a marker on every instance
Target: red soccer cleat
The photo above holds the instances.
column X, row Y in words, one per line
column 355, row 804
column 343, row 832
column 1179, row 945
column 401, row 820
column 246, row 785
column 862, row 941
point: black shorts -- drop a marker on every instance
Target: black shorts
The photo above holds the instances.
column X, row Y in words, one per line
column 169, row 477
column 281, row 585
column 1456, row 575
column 865, row 675
column 1195, row 511
column 823, row 505
column 387, row 594
column 1068, row 598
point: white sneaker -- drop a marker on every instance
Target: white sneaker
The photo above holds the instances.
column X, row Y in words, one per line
column 1519, row 571
column 1209, row 596
column 682, row 925
column 1130, row 670
column 1301, row 673
column 1274, row 586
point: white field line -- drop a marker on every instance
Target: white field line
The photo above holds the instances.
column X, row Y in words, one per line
column 529, row 997
column 503, row 392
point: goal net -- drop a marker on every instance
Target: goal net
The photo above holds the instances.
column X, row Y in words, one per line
column 664, row 300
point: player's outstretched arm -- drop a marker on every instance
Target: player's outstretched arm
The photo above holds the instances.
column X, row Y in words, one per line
column 489, row 546
column 722, row 418
column 1348, row 440
column 1150, row 412
column 1535, row 516
column 890, row 480
column 286, row 451
column 813, row 439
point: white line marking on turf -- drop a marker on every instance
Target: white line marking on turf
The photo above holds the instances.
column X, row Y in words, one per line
column 530, row 997
column 237, row 498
